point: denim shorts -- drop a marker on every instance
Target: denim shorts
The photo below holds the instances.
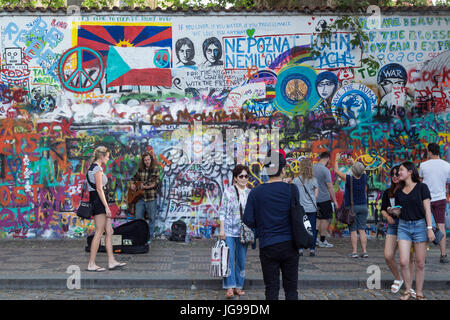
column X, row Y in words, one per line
column 414, row 231
column 392, row 229
column 360, row 222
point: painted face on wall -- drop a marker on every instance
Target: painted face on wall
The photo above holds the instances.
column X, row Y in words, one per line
column 325, row 88
column 185, row 54
column 212, row 53
column 388, row 83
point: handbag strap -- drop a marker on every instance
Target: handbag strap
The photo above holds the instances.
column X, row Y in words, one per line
column 93, row 186
column 306, row 190
column 351, row 191
column 239, row 200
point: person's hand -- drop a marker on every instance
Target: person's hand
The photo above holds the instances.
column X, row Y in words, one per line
column 394, row 211
column 222, row 235
column 390, row 220
column 431, row 235
column 335, row 205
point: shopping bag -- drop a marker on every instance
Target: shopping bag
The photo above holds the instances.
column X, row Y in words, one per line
column 219, row 260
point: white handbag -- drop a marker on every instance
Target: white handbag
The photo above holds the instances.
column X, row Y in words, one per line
column 219, row 260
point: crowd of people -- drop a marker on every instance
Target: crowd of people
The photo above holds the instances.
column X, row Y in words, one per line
column 412, row 204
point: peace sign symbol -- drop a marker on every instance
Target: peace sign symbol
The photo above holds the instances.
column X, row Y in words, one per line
column 81, row 79
column 162, row 58
column 295, row 166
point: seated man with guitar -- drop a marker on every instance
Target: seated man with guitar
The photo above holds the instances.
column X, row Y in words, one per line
column 143, row 189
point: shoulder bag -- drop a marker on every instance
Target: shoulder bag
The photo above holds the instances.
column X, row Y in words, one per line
column 247, row 235
column 345, row 214
column 302, row 232
column 85, row 210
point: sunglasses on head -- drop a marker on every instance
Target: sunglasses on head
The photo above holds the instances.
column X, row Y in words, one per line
column 243, row 176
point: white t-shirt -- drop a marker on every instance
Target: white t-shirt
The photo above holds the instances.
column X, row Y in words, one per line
column 435, row 173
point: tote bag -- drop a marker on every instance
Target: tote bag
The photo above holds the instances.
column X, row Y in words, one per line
column 302, row 232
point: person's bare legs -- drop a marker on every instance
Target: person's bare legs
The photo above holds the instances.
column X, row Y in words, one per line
column 390, row 247
column 363, row 240
column 442, row 244
column 420, row 249
column 99, row 221
column 404, row 248
column 354, row 240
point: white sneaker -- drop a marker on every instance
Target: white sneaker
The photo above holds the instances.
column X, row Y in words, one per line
column 325, row 244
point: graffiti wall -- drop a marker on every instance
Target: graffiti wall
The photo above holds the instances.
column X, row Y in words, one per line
column 189, row 88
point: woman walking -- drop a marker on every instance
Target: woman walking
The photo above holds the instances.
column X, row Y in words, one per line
column 232, row 210
column 101, row 212
column 415, row 226
column 358, row 179
column 390, row 245
column 308, row 189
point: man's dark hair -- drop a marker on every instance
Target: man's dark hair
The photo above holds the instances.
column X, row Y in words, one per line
column 434, row 149
column 270, row 166
column 325, row 155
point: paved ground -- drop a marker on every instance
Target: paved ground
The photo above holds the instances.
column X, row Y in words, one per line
column 201, row 295
column 170, row 270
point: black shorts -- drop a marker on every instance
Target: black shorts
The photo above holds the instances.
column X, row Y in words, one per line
column 98, row 207
column 326, row 210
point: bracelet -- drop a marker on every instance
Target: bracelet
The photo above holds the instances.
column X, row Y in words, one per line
column 430, row 228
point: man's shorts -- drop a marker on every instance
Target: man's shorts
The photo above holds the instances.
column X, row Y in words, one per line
column 438, row 210
column 326, row 210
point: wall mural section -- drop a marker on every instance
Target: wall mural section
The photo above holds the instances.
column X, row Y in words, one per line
column 178, row 85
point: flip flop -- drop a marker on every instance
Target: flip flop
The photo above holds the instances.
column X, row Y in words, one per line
column 119, row 265
column 98, row 269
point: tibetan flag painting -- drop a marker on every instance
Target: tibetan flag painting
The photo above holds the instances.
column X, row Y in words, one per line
column 134, row 53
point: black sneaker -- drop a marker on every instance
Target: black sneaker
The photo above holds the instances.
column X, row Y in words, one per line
column 312, row 254
column 443, row 259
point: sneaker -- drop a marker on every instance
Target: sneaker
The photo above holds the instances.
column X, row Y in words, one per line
column 353, row 255
column 312, row 253
column 300, row 252
column 443, row 259
column 325, row 244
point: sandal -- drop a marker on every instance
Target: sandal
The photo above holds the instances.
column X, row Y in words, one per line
column 396, row 286
column 119, row 265
column 406, row 295
column 97, row 269
column 229, row 293
column 239, row 292
column 413, row 293
column 419, row 297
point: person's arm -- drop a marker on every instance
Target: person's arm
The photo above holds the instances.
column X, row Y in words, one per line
column 336, row 168
column 332, row 194
column 99, row 186
column 223, row 214
column 426, row 198
column 249, row 212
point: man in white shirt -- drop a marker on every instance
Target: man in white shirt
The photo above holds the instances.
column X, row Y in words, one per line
column 435, row 173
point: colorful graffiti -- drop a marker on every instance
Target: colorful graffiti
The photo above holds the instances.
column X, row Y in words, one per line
column 192, row 92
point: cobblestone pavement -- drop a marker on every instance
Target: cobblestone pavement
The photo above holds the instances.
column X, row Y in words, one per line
column 179, row 294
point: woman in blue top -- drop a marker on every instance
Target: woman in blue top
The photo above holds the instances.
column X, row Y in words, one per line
column 359, row 181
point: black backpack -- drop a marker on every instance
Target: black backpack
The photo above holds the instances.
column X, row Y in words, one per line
column 178, row 231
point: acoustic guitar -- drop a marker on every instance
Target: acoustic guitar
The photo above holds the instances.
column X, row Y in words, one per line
column 134, row 195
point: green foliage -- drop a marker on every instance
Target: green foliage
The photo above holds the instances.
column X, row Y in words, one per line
column 97, row 3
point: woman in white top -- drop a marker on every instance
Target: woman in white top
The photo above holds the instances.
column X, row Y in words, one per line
column 96, row 180
column 233, row 206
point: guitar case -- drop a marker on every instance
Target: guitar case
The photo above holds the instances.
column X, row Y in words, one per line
column 131, row 238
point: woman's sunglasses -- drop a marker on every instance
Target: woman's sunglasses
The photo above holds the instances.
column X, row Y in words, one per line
column 243, row 176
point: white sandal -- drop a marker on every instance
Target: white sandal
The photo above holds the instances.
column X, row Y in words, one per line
column 396, row 286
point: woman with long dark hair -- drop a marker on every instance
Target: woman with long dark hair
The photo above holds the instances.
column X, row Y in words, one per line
column 390, row 245
column 233, row 205
column 415, row 226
